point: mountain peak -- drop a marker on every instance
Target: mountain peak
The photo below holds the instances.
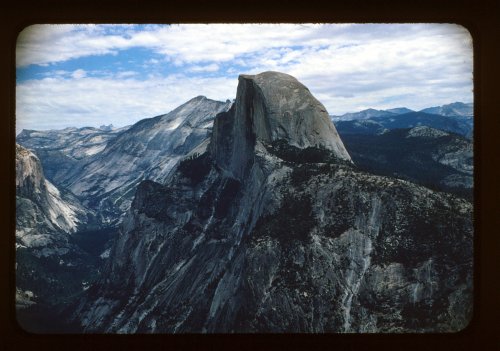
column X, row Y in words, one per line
column 364, row 114
column 399, row 110
column 271, row 106
column 455, row 109
column 198, row 98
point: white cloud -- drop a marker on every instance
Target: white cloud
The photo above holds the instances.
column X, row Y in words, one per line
column 54, row 103
column 428, row 66
column 195, row 43
column 42, row 44
column 208, row 68
column 220, row 42
column 126, row 74
column 347, row 67
column 79, row 73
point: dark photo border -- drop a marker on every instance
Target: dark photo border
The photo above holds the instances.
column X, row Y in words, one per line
column 481, row 18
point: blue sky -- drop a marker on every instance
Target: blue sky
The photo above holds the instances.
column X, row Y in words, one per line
column 89, row 75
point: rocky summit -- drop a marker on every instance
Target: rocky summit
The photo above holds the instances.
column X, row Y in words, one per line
column 269, row 227
column 271, row 107
column 42, row 209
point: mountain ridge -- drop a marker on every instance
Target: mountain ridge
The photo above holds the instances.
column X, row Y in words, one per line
column 424, row 155
column 379, row 125
column 455, row 109
column 146, row 150
column 257, row 242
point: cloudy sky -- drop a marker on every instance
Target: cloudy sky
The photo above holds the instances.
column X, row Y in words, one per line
column 89, row 75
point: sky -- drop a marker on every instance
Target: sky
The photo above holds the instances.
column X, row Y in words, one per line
column 93, row 75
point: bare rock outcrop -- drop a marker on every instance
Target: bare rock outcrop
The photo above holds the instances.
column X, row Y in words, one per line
column 273, row 229
column 271, row 106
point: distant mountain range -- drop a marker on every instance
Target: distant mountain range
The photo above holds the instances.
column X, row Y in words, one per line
column 370, row 113
column 456, row 109
column 377, row 125
column 379, row 142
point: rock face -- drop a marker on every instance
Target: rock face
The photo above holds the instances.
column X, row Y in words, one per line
column 106, row 175
column 49, row 266
column 271, row 106
column 287, row 236
column 41, row 208
column 60, row 151
column 147, row 150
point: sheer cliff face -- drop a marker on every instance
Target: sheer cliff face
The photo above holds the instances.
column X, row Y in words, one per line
column 271, row 106
column 47, row 260
column 274, row 230
column 41, row 208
